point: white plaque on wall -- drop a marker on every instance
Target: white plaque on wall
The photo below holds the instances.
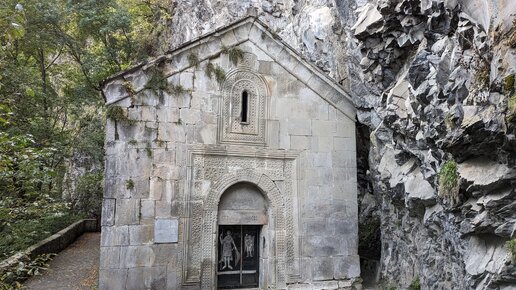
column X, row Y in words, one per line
column 165, row 230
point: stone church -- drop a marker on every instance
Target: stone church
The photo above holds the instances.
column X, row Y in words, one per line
column 230, row 163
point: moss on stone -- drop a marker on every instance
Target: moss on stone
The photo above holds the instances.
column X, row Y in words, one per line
column 216, row 71
column 129, row 87
column 448, row 181
column 508, row 84
column 511, row 109
column 157, row 82
column 235, row 54
column 415, row 285
column 129, row 184
column 482, row 78
column 511, row 247
column 193, row 59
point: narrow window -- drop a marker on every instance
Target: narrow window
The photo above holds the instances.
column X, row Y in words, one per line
column 243, row 116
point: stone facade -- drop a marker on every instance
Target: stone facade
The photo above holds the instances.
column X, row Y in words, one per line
column 237, row 106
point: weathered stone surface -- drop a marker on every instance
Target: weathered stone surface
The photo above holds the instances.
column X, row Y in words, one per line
column 169, row 166
column 166, row 231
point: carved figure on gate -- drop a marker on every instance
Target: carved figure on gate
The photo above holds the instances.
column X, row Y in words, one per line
column 249, row 245
column 228, row 245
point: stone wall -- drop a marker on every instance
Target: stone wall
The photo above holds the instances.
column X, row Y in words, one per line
column 432, row 81
column 172, row 150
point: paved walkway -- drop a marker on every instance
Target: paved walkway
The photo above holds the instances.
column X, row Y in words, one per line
column 75, row 268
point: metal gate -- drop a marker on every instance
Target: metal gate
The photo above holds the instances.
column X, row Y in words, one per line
column 238, row 260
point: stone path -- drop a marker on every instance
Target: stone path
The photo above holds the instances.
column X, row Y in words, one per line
column 75, row 268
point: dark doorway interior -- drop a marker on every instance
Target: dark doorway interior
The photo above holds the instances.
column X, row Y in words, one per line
column 238, row 261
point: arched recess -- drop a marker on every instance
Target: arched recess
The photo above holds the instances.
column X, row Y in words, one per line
column 209, row 227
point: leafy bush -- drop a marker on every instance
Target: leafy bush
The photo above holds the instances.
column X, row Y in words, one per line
column 23, row 224
column 88, row 194
column 26, row 268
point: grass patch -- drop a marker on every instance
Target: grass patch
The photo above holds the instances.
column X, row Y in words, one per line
column 511, row 109
column 129, row 184
column 235, row 54
column 129, row 87
column 177, row 89
column 216, row 71
column 415, row 285
column 511, row 247
column 157, row 82
column 118, row 114
column 449, row 181
column 193, row 59
column 482, row 77
column 508, row 84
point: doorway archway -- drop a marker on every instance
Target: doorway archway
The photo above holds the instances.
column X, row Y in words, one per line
column 272, row 266
column 242, row 229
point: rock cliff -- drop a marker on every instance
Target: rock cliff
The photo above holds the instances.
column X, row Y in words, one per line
column 434, row 82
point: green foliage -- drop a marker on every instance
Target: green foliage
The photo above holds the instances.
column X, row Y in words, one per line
column 508, row 83
column 160, row 142
column 157, row 83
column 129, row 87
column 149, row 151
column 369, row 238
column 448, row 180
column 415, row 285
column 12, row 278
column 235, row 54
column 88, row 195
column 129, row 184
column 53, row 56
column 216, row 71
column 132, row 142
column 23, row 223
column 482, row 77
column 511, row 109
column 177, row 89
column 193, row 59
column 118, row 114
column 511, row 247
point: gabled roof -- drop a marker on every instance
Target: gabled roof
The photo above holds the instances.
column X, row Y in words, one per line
column 211, row 44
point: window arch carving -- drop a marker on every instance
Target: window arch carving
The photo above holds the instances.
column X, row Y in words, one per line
column 244, row 122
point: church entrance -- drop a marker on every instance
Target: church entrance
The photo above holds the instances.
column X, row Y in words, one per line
column 238, row 256
column 242, row 230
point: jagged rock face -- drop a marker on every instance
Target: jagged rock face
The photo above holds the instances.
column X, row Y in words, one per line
column 441, row 72
column 434, row 81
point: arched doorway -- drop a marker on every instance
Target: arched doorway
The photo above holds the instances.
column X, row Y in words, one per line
column 241, row 230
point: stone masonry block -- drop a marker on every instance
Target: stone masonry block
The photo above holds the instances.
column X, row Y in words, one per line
column 141, row 234
column 127, row 211
column 146, row 278
column 300, row 142
column 114, row 236
column 299, row 127
column 323, row 128
column 147, row 208
column 137, row 256
column 109, row 257
column 108, row 212
column 112, row 279
column 167, row 115
column 322, row 268
column 346, row 267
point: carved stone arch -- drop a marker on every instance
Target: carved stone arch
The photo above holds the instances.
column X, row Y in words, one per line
column 209, row 224
column 254, row 130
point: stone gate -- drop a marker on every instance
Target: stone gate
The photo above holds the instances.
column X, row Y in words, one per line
column 230, row 163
